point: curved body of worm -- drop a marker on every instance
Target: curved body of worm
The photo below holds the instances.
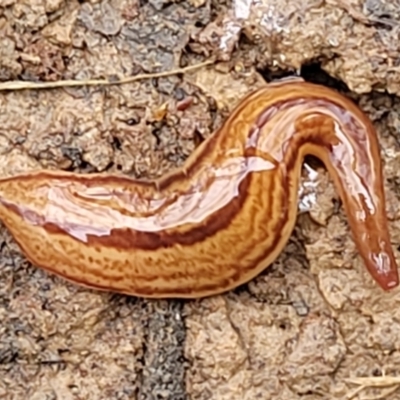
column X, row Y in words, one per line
column 223, row 217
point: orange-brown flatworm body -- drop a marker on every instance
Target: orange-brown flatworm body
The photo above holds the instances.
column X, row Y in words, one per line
column 223, row 217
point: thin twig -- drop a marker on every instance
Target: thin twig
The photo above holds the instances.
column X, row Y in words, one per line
column 22, row 85
column 383, row 395
column 391, row 383
column 375, row 381
column 353, row 393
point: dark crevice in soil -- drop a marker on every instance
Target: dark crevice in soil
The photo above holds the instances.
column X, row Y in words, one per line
column 311, row 72
column 163, row 352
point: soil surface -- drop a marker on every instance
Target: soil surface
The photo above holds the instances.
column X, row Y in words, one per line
column 303, row 329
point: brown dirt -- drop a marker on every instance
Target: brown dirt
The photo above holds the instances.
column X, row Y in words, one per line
column 302, row 329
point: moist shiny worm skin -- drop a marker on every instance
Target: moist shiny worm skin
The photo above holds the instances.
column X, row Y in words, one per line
column 223, row 217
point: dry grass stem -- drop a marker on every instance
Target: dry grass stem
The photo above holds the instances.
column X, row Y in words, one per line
column 22, row 85
column 391, row 383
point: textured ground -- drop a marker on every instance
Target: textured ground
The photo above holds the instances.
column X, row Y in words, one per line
column 303, row 328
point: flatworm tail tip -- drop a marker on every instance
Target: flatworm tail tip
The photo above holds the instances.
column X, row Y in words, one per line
column 384, row 271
